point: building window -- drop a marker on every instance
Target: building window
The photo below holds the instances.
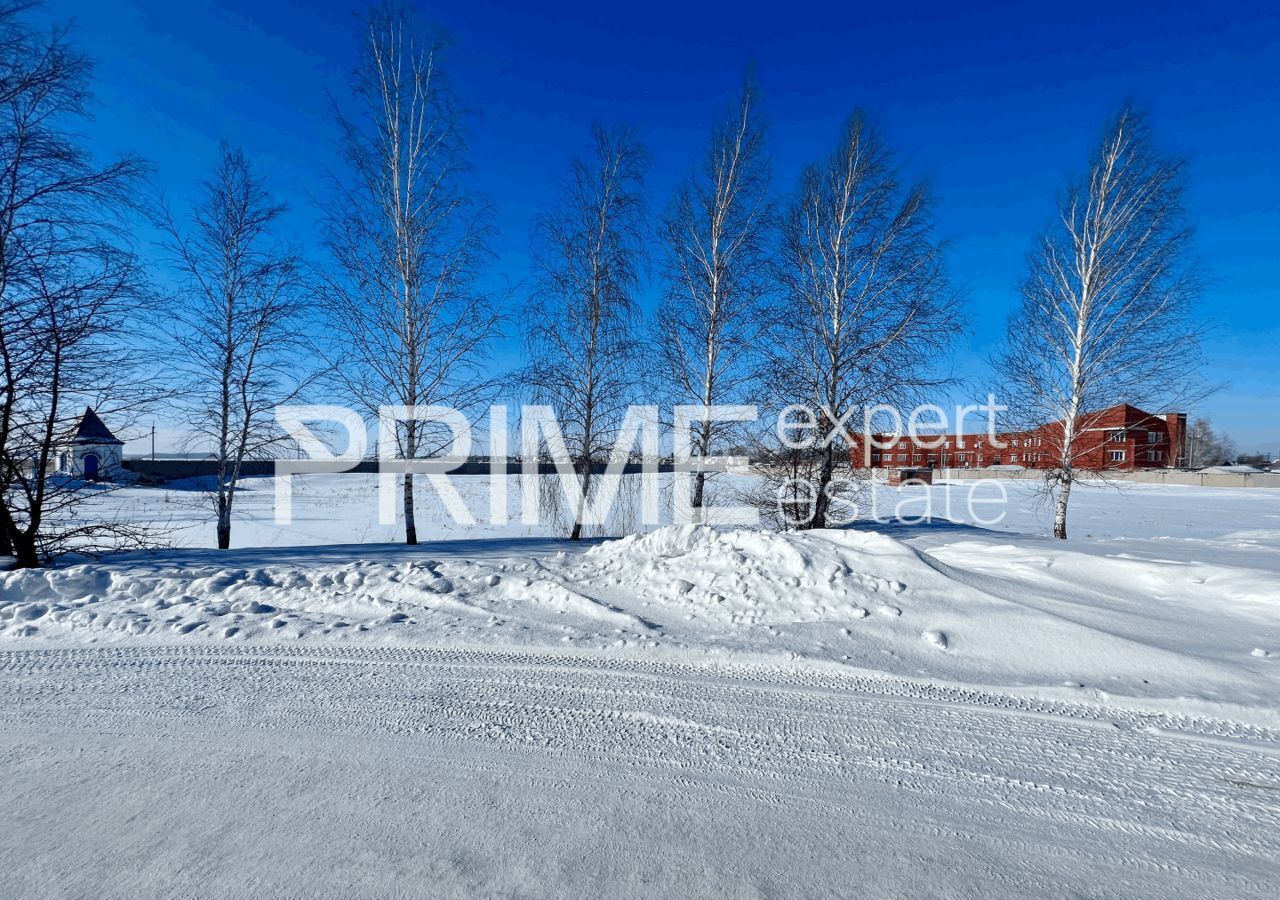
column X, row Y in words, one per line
column 1013, row 457
column 1116, row 437
column 1117, row 456
column 1153, row 456
column 1153, row 437
column 902, row 457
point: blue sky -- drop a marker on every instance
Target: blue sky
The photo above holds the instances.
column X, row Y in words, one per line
column 997, row 107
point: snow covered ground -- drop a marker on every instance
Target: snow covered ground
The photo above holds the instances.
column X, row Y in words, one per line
column 360, row 771
column 888, row 710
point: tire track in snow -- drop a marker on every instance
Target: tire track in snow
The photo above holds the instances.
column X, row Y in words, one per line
column 1070, row 785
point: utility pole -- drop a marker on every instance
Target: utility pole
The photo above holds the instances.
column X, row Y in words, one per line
column 153, row 441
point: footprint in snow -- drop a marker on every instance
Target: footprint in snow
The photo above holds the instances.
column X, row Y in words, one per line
column 1259, row 652
column 887, row 610
column 937, row 638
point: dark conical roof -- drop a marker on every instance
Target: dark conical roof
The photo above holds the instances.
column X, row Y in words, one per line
column 92, row 430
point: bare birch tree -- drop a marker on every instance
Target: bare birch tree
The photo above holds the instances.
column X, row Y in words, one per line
column 1105, row 312
column 581, row 324
column 69, row 287
column 236, row 322
column 1207, row 446
column 865, row 316
column 409, row 241
column 716, row 240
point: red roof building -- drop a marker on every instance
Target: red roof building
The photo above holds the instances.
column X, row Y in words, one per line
column 1122, row 438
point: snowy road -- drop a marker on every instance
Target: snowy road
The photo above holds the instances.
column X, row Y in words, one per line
column 353, row 771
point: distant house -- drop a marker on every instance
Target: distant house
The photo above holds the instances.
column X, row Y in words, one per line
column 90, row 452
column 1121, row 437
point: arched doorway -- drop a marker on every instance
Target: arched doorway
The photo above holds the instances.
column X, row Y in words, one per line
column 90, row 466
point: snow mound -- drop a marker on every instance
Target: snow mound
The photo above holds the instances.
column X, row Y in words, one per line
column 397, row 602
column 1003, row 612
column 1006, row 610
column 753, row 578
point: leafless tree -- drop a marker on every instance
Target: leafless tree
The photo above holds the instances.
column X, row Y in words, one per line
column 68, row 288
column 865, row 315
column 408, row 240
column 1105, row 312
column 236, row 325
column 1206, row 446
column 581, row 323
column 716, row 235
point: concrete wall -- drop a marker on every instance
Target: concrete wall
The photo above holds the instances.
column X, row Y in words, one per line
column 1148, row 476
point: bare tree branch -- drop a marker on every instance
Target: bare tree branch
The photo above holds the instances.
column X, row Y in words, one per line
column 69, row 287
column 866, row 313
column 716, row 236
column 408, row 241
column 581, row 323
column 1105, row 315
column 236, row 323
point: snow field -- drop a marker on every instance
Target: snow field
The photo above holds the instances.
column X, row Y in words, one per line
column 888, row 710
column 953, row 603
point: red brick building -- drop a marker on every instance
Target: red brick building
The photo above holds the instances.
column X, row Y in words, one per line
column 1122, row 437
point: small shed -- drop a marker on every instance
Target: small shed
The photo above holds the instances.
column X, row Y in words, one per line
column 899, row 477
column 91, row 451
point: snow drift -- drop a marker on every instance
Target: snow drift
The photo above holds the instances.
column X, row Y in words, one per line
column 978, row 611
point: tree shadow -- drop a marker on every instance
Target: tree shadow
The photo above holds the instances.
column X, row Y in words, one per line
column 903, row 530
column 341, row 554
